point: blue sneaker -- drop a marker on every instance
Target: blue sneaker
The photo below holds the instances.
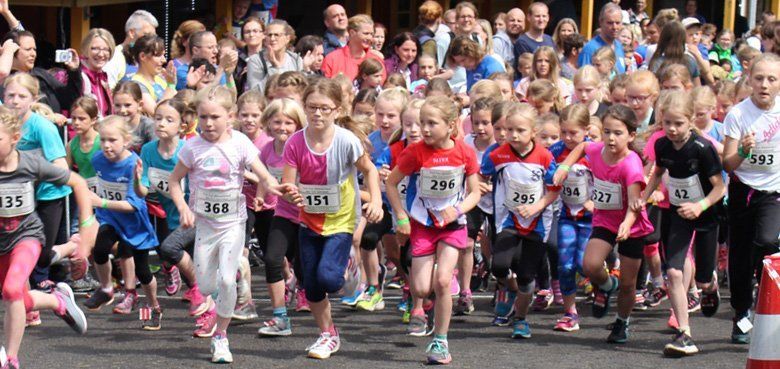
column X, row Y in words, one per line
column 352, row 300
column 601, row 299
column 505, row 302
column 521, row 329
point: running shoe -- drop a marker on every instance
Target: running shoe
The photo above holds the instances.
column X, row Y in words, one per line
column 325, row 346
column 557, row 295
column 568, row 323
column 68, row 310
column 396, row 282
column 371, row 301
column 276, row 327
column 543, row 300
column 301, row 303
column 739, row 336
column 710, row 301
column 172, row 280
column 601, row 299
column 418, row 326
column 98, row 299
column 33, row 319
column 154, row 323
column 619, row 332
column 521, row 329
column 45, row 286
column 464, row 305
column 357, row 295
column 672, row 322
column 245, row 311
column 438, row 352
column 207, row 324
column 454, row 284
column 656, row 296
column 639, row 300
column 505, row 302
column 406, row 316
column 681, row 345
column 85, row 284
column 694, row 303
column 406, row 301
column 220, row 350
column 128, row 303
column 198, row 303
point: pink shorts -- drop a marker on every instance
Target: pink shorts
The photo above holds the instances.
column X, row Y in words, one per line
column 425, row 239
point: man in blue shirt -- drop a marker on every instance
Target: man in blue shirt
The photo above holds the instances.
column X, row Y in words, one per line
column 610, row 25
column 336, row 28
column 534, row 37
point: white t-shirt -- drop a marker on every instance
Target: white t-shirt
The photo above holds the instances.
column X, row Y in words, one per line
column 761, row 170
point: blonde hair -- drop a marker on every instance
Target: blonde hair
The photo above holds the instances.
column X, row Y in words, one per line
column 522, row 111
column 119, row 122
column 102, row 34
column 704, row 96
column 485, row 88
column 397, row 96
column 43, row 110
column 27, row 81
column 677, row 101
column 9, row 121
column 546, row 118
column 547, row 91
column 220, row 95
column 287, row 107
column 360, row 126
column 182, row 35
column 605, row 54
column 555, row 67
column 448, row 109
column 557, row 39
column 356, row 21
column 251, row 97
column 576, row 113
column 644, row 79
column 488, row 29
column 678, row 71
column 588, row 74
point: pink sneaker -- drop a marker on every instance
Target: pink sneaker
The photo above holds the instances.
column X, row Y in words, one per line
column 198, row 303
column 33, row 319
column 207, row 324
column 672, row 322
column 128, row 303
column 543, row 300
column 172, row 280
column 301, row 303
column 455, row 285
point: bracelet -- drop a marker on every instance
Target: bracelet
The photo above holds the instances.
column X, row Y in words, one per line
column 564, row 168
column 401, row 222
column 104, row 205
column 742, row 153
column 172, row 85
column 87, row 222
column 704, row 204
column 230, row 84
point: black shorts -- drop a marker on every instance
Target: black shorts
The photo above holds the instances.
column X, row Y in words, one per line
column 632, row 247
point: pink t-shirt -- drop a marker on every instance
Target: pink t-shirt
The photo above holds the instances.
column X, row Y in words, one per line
column 275, row 164
column 250, row 189
column 216, row 177
column 610, row 192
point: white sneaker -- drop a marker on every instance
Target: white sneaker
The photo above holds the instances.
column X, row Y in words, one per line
column 325, row 346
column 220, row 350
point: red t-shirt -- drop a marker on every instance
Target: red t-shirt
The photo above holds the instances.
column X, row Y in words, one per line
column 341, row 61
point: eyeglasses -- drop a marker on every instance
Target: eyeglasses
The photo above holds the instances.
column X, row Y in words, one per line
column 637, row 99
column 97, row 50
column 325, row 110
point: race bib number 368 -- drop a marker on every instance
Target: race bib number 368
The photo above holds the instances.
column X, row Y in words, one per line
column 217, row 204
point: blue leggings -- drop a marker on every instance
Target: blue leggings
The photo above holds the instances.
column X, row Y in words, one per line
column 572, row 238
column 323, row 260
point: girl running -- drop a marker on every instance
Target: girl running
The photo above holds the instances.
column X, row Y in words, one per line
column 323, row 158
column 437, row 201
column 215, row 161
column 618, row 182
column 21, row 236
column 124, row 219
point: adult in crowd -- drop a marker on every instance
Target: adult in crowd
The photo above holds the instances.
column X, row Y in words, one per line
column 468, row 54
column 610, row 25
column 347, row 59
column 203, row 45
column 672, row 49
column 564, row 28
column 138, row 24
column 336, row 33
column 180, row 46
column 310, row 49
column 402, row 56
column 97, row 48
column 429, row 14
column 504, row 41
column 638, row 12
column 534, row 37
column 275, row 58
column 466, row 15
column 692, row 10
column 252, row 33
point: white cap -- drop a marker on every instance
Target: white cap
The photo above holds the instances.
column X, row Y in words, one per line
column 690, row 21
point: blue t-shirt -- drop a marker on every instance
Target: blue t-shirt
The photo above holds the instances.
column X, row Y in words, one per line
column 115, row 182
column 484, row 69
column 181, row 75
column 526, row 44
column 39, row 134
column 377, row 143
column 596, row 43
column 155, row 178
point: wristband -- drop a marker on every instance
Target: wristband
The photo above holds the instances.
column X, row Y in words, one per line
column 87, row 222
column 104, row 205
column 704, row 204
column 172, row 85
column 564, row 168
column 230, row 84
column 742, row 153
column 401, row 222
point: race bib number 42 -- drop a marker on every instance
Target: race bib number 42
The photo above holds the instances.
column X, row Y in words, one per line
column 607, row 195
column 321, row 199
column 440, row 183
column 683, row 190
column 16, row 199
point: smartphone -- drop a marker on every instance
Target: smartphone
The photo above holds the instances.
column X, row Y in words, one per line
column 62, row 56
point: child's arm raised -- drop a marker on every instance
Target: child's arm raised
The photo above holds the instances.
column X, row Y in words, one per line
column 140, row 190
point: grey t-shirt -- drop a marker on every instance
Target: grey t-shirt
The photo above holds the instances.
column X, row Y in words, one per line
column 143, row 133
column 17, row 197
column 259, row 68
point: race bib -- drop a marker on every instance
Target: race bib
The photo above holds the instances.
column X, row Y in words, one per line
column 92, row 184
column 159, row 181
column 522, row 194
column 575, row 190
column 112, row 190
column 684, row 190
column 321, row 199
column 765, row 157
column 16, row 199
column 402, row 187
column 441, row 183
column 607, row 195
column 276, row 173
column 217, row 204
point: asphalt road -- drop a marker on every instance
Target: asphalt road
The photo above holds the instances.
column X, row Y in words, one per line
column 376, row 340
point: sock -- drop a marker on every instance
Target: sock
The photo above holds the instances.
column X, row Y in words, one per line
column 428, row 305
column 220, row 334
column 626, row 319
column 693, row 290
column 658, row 282
column 332, row 330
column 608, row 285
column 572, row 310
column 686, row 330
column 109, row 290
column 440, row 337
column 130, row 292
column 280, row 312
